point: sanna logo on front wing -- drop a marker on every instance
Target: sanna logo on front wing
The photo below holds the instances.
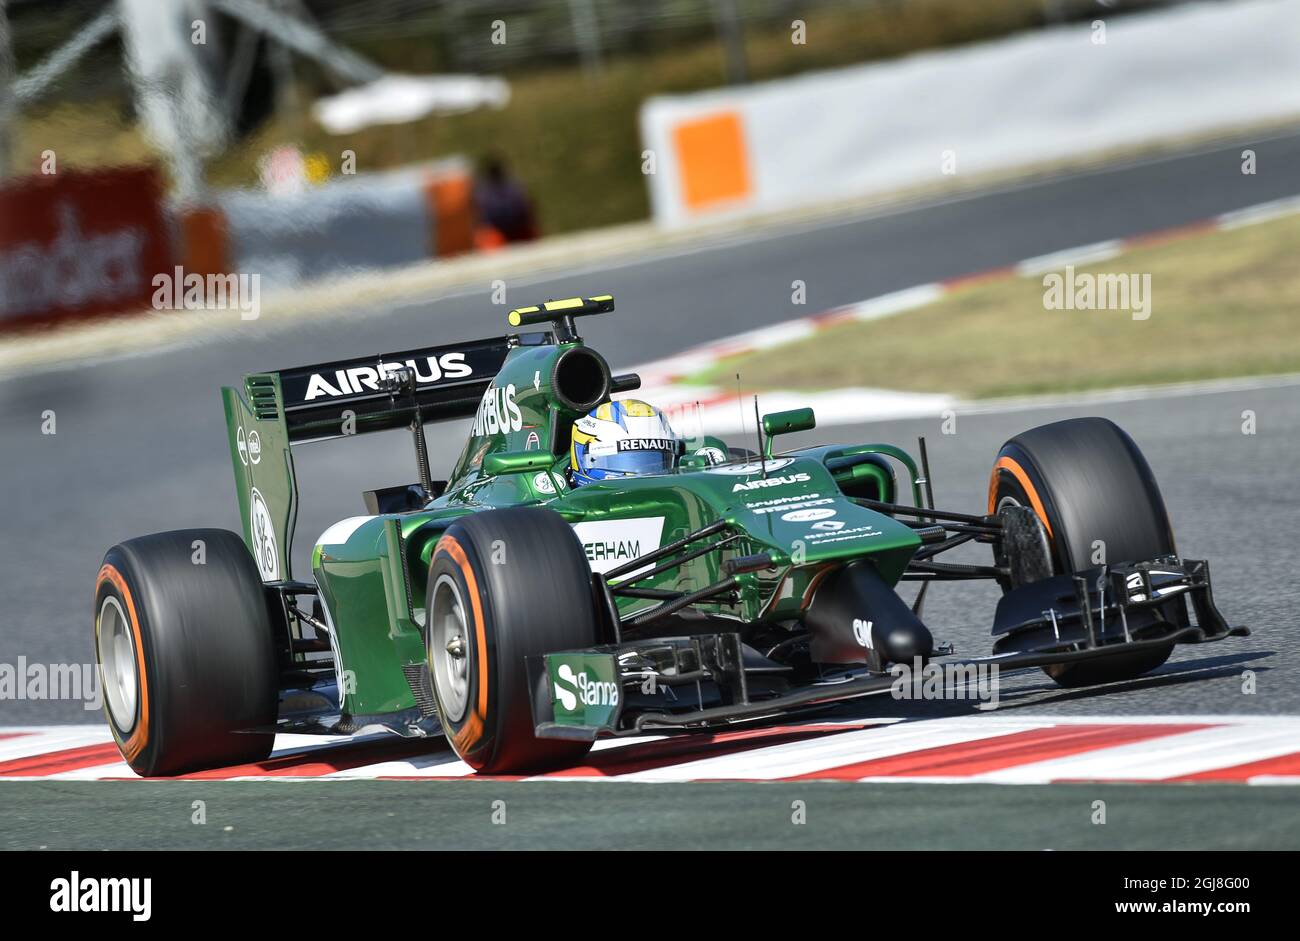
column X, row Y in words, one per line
column 573, row 688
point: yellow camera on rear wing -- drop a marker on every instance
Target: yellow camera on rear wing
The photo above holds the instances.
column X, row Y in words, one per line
column 561, row 310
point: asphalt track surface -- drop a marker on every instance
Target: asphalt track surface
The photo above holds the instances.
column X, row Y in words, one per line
column 497, row 815
column 140, row 448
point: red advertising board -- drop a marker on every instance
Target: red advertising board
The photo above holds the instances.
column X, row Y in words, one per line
column 80, row 244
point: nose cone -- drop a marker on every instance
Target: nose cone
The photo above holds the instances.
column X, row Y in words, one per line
column 854, row 598
column 903, row 642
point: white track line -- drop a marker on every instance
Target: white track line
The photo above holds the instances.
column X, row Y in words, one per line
column 116, row 769
column 1261, row 212
column 33, row 742
column 1231, row 741
column 1156, row 759
column 819, row 754
column 1082, row 255
column 442, row 764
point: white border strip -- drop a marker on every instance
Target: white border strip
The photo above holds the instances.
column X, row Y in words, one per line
column 1230, row 741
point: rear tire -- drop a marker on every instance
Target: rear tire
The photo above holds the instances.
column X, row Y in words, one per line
column 185, row 652
column 1087, row 482
column 504, row 585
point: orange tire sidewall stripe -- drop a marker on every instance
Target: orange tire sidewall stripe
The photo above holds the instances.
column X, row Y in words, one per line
column 1015, row 470
column 132, row 747
column 472, row 730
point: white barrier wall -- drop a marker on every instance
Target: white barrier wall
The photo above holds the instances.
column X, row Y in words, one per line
column 359, row 223
column 1029, row 99
column 376, row 220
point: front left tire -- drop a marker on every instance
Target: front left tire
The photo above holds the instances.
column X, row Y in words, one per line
column 504, row 586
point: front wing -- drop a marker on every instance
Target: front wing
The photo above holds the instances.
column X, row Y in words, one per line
column 702, row 681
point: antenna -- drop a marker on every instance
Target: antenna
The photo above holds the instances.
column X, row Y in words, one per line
column 762, row 450
column 925, row 476
column 740, row 400
column 929, row 505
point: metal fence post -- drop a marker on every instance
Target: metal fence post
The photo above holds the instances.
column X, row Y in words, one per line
column 731, row 32
column 586, row 32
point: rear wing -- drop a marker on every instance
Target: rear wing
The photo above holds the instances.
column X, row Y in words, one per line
column 350, row 396
column 274, row 410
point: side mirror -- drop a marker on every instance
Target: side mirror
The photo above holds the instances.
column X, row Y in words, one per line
column 517, row 462
column 784, row 423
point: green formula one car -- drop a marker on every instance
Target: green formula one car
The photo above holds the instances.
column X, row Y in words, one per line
column 522, row 616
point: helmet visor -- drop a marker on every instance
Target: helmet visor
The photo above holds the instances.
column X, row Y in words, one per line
column 634, row 462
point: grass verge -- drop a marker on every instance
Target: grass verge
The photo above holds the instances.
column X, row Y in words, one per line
column 1223, row 304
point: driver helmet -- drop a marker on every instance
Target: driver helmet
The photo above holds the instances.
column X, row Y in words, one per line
column 627, row 438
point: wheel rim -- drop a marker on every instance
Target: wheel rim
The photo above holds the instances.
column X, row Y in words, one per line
column 450, row 648
column 117, row 663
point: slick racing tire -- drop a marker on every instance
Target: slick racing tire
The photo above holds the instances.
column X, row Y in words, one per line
column 1087, row 482
column 504, row 585
column 186, row 655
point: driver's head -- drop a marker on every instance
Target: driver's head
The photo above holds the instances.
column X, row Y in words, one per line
column 622, row 439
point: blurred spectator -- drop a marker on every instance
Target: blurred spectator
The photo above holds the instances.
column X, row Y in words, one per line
column 505, row 211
